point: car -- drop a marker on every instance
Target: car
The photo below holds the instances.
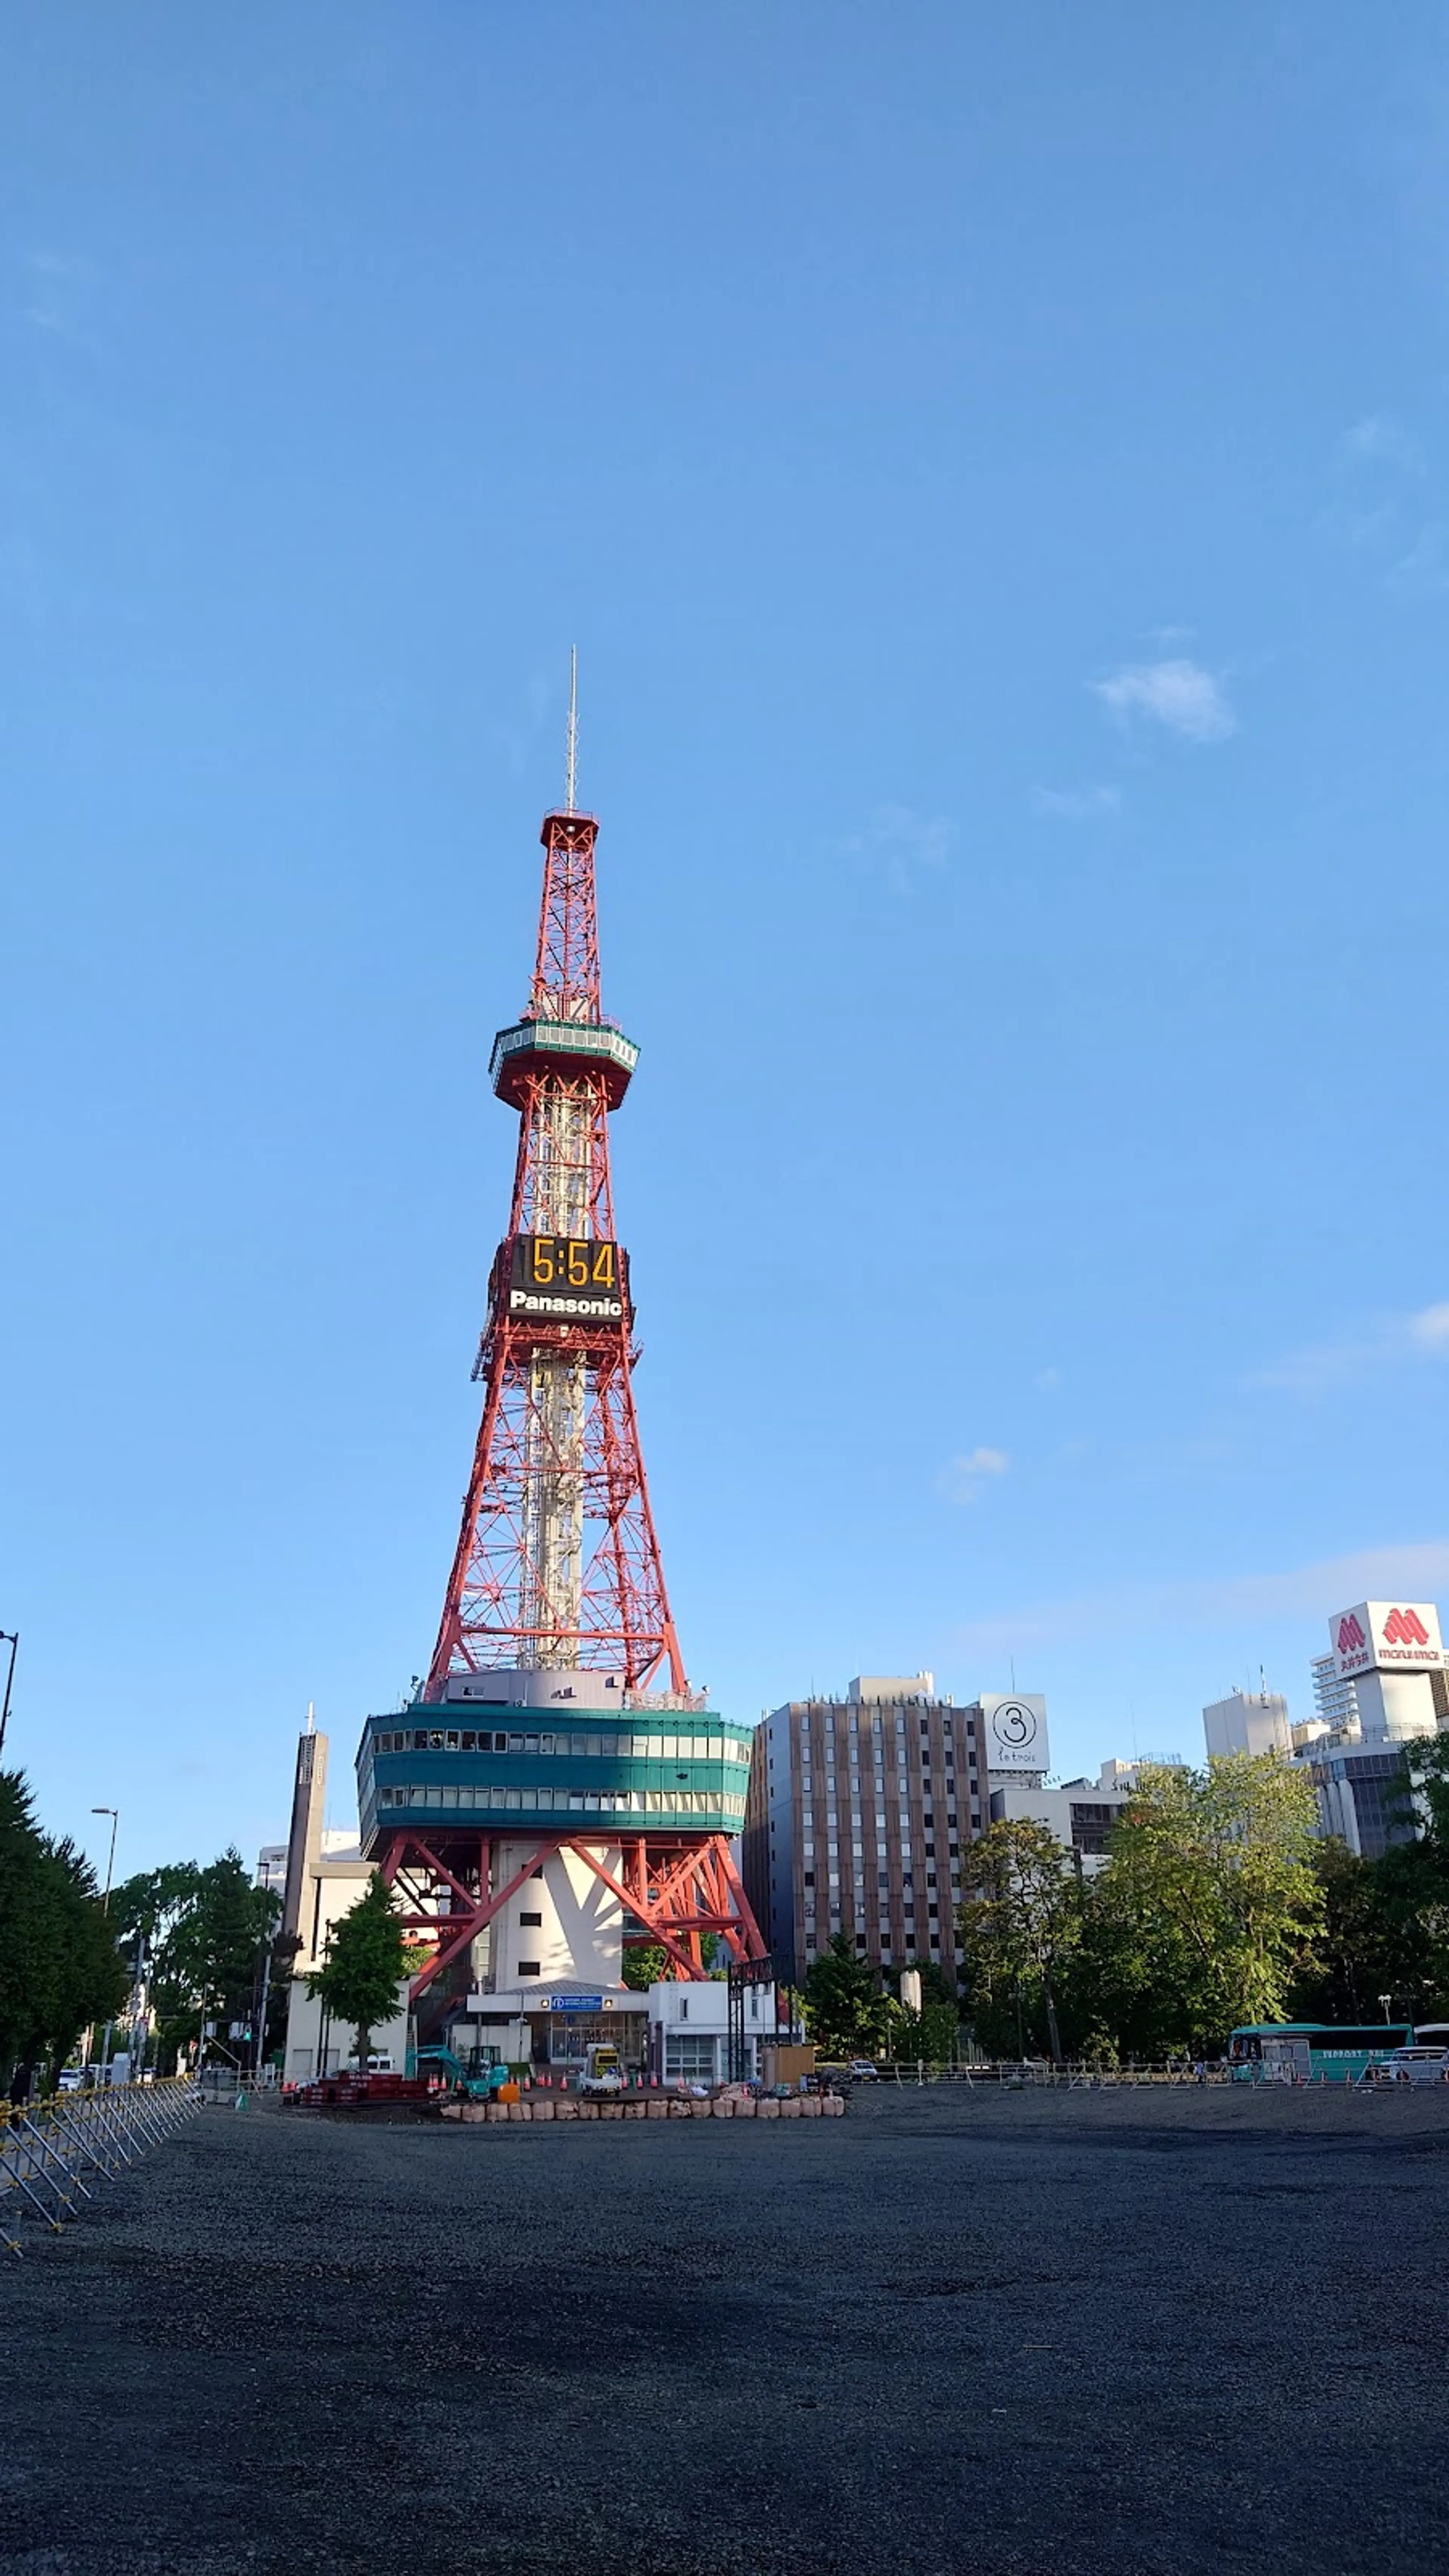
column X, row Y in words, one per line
column 861, row 2070
column 1420, row 2065
column 71, row 2079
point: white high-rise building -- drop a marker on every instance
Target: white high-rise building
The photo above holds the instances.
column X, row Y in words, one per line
column 1335, row 1694
column 1248, row 1722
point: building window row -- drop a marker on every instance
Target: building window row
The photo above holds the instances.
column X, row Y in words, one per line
column 594, row 1747
column 572, row 1802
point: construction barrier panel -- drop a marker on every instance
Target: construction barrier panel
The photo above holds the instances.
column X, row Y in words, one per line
column 53, row 2154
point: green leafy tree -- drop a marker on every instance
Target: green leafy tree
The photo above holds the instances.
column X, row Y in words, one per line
column 1358, row 1952
column 1021, row 1923
column 651, row 1965
column 1214, row 1872
column 1426, row 1764
column 208, row 1962
column 59, row 1966
column 929, row 2034
column 152, row 1903
column 932, row 2032
column 846, row 2012
column 367, row 1960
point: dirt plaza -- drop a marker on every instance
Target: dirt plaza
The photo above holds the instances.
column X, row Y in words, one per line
column 1154, row 2330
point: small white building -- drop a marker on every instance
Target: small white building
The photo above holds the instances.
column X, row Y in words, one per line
column 1081, row 1813
column 689, row 2030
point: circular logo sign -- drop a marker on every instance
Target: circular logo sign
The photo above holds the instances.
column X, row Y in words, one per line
column 1014, row 1725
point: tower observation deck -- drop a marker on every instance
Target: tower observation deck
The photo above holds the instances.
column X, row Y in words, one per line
column 556, row 1788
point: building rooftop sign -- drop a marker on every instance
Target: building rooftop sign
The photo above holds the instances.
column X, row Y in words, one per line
column 1016, row 1732
column 1386, row 1637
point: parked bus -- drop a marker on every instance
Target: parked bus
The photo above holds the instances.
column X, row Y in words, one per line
column 1308, row 2052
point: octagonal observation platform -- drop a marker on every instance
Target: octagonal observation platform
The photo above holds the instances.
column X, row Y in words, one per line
column 551, row 1752
column 570, row 1047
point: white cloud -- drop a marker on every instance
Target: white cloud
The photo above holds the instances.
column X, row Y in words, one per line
column 1326, row 1365
column 1076, row 804
column 1423, row 573
column 1178, row 694
column 903, row 843
column 1415, row 1571
column 1381, row 441
column 1429, row 1329
column 961, row 1479
column 61, row 293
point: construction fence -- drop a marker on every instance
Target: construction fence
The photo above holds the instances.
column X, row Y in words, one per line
column 55, row 2154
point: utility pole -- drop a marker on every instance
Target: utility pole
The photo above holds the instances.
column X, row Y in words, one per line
column 262, row 2016
column 8, row 1637
column 115, row 1816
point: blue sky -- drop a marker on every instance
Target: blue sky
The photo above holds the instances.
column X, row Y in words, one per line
column 995, row 468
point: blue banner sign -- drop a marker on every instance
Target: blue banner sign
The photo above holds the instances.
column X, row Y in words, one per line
column 576, row 2003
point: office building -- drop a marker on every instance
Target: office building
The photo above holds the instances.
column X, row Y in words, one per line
column 856, row 1814
column 1247, row 1722
column 323, row 1876
column 1380, row 1688
column 1081, row 1813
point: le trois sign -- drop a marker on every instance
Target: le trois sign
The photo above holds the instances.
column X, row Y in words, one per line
column 1016, row 1732
column 1386, row 1637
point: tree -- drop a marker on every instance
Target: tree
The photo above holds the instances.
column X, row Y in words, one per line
column 846, row 2013
column 207, row 1963
column 59, row 1967
column 367, row 1960
column 644, row 1966
column 1426, row 1763
column 929, row 2034
column 649, row 1963
column 1021, row 1920
column 1349, row 1966
column 153, row 1902
column 1214, row 1873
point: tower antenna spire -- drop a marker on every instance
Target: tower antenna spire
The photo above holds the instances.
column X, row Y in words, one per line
column 571, row 762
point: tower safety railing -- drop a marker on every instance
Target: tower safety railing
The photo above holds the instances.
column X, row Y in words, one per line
column 54, row 2154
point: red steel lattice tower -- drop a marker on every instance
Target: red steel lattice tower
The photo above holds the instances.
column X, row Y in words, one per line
column 557, row 1560
column 557, row 1577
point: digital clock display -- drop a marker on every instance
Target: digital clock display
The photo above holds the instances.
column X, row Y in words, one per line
column 568, row 1278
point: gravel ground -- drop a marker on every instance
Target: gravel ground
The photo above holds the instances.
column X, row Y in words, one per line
column 1122, row 2332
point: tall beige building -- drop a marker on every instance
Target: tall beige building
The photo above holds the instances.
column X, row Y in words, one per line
column 856, row 1814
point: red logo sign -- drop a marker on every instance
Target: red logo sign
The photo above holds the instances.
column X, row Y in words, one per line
column 1401, row 1628
column 1351, row 1638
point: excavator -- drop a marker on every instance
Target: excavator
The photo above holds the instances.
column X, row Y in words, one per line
column 478, row 2088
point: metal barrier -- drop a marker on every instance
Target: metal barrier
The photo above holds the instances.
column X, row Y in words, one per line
column 1013, row 2074
column 52, row 2153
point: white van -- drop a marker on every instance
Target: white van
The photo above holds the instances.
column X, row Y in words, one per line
column 1426, row 2063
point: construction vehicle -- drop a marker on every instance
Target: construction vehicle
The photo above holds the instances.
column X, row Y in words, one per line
column 478, row 2088
column 602, row 2072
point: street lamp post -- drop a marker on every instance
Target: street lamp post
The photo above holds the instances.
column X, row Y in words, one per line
column 115, row 1816
column 11, row 1638
column 1385, row 2001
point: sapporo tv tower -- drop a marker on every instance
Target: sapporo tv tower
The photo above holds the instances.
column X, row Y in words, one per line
column 542, row 1791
